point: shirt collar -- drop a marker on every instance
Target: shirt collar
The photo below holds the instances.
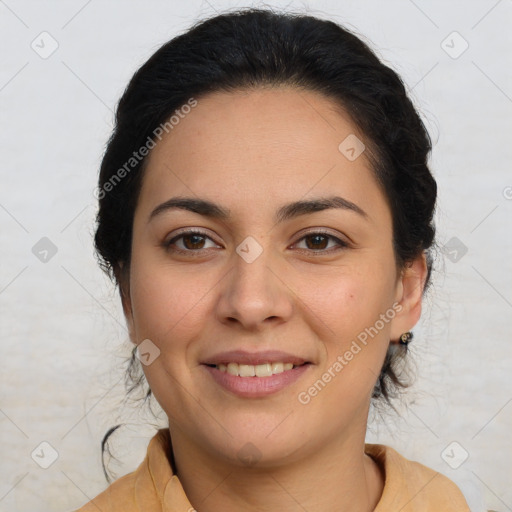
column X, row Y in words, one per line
column 399, row 487
column 159, row 464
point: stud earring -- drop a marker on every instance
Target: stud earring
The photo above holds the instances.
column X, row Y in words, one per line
column 406, row 338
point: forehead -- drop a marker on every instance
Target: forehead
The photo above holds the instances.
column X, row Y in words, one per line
column 259, row 146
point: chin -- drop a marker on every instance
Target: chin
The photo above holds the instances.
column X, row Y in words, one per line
column 258, row 447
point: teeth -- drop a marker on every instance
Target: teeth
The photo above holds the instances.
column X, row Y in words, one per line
column 262, row 370
column 246, row 370
column 250, row 370
column 232, row 369
column 277, row 368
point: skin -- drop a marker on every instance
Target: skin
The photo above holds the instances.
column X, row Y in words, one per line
column 252, row 152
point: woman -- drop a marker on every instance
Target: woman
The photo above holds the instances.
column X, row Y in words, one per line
column 266, row 210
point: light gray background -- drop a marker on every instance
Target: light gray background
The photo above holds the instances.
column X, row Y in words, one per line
column 62, row 329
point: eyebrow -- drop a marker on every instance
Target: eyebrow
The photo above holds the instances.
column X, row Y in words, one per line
column 285, row 212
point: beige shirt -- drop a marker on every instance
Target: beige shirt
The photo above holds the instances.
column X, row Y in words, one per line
column 152, row 487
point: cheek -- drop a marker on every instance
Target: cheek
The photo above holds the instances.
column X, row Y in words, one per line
column 357, row 310
column 168, row 309
column 168, row 304
column 352, row 301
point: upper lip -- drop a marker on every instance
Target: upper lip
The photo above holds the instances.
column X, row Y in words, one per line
column 254, row 358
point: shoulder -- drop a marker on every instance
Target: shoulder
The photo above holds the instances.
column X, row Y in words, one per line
column 141, row 490
column 412, row 487
column 118, row 496
column 134, row 492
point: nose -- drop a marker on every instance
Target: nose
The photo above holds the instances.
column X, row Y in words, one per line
column 255, row 294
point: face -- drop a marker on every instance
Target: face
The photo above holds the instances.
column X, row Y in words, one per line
column 260, row 286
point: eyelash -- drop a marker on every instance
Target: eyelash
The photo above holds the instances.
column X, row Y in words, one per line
column 320, row 252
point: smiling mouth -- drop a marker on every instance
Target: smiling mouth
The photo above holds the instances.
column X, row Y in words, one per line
column 259, row 370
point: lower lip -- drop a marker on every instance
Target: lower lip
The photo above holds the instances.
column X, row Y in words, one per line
column 256, row 387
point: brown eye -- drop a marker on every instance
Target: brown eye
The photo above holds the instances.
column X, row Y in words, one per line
column 192, row 241
column 318, row 242
column 188, row 242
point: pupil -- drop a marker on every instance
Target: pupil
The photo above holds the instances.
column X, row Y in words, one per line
column 316, row 237
column 188, row 237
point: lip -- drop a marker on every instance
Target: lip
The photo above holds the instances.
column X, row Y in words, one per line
column 256, row 387
column 254, row 358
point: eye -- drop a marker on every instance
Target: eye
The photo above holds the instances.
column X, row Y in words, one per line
column 318, row 242
column 192, row 241
column 188, row 242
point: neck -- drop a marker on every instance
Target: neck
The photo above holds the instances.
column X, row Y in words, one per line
column 337, row 477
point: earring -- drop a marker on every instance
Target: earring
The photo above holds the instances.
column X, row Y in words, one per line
column 406, row 338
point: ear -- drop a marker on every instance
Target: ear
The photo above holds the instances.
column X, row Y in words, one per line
column 409, row 295
column 123, row 279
